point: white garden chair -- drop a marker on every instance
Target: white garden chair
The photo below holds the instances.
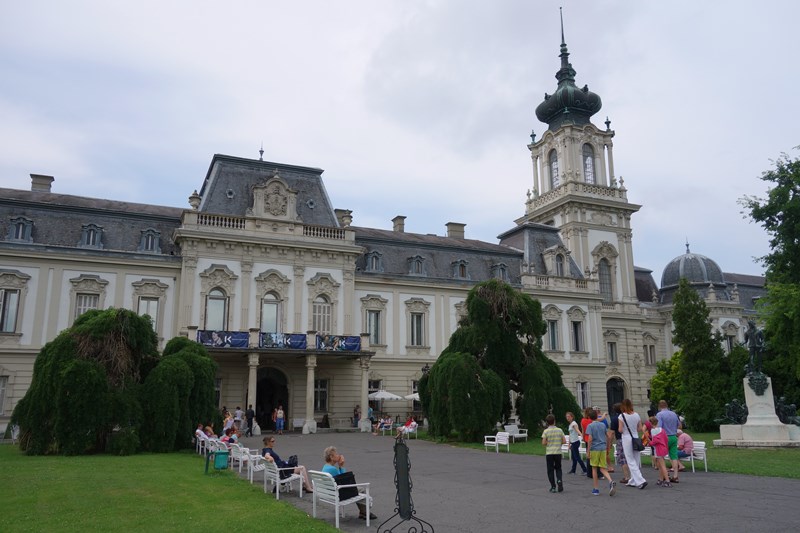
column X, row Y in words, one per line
column 327, row 491
column 495, row 441
column 272, row 474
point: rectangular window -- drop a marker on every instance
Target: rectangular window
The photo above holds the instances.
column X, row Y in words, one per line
column 19, row 231
column 374, row 327
column 584, row 397
column 417, row 329
column 731, row 342
column 149, row 306
column 552, row 334
column 650, row 354
column 612, row 352
column 85, row 302
column 321, row 395
column 9, row 304
column 3, row 387
column 577, row 336
column 269, row 316
column 321, row 316
column 149, row 242
column 216, row 311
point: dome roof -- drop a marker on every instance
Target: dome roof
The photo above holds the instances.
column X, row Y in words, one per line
column 569, row 104
column 695, row 268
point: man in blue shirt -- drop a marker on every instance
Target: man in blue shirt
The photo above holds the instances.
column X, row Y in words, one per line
column 670, row 423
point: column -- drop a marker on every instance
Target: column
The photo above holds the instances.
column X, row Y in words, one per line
column 536, row 185
column 612, row 179
column 364, row 424
column 299, row 279
column 187, row 292
column 310, row 425
column 252, row 378
column 603, row 171
column 247, row 276
column 348, row 297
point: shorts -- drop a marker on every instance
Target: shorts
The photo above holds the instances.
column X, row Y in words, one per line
column 597, row 458
column 620, row 455
column 672, row 441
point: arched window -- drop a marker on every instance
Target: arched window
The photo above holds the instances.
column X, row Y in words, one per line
column 217, row 310
column 560, row 265
column 588, row 163
column 321, row 314
column 553, row 160
column 604, row 273
column 270, row 313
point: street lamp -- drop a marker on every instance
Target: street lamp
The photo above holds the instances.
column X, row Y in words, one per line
column 426, row 369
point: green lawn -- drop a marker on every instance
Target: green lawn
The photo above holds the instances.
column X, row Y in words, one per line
column 147, row 492
column 772, row 463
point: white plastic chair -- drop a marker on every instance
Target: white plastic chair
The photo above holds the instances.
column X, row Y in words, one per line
column 255, row 463
column 698, row 452
column 272, row 474
column 327, row 491
column 495, row 441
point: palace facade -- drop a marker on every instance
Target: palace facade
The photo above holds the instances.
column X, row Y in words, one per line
column 300, row 307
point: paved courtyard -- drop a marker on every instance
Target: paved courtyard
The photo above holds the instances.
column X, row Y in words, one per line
column 460, row 490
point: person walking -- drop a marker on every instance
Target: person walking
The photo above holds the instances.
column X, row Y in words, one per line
column 670, row 423
column 575, row 436
column 250, row 415
column 630, row 426
column 552, row 439
column 597, row 434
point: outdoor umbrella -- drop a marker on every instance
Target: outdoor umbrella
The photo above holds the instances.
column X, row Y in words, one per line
column 414, row 397
column 384, row 395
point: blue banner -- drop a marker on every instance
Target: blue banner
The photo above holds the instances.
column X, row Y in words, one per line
column 291, row 341
column 223, row 339
column 339, row 343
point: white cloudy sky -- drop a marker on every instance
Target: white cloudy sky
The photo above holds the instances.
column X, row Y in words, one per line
column 419, row 108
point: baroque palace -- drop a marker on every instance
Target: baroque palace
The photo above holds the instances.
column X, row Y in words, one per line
column 301, row 308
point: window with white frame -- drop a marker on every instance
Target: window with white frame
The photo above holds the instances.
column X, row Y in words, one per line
column 320, row 395
column 150, row 241
column 417, row 329
column 374, row 261
column 270, row 313
column 588, row 163
column 91, row 236
column 649, row 354
column 321, row 315
column 553, row 162
column 604, row 274
column 216, row 310
column 374, row 326
column 416, row 265
column 148, row 305
column 583, row 395
column 85, row 302
column 20, row 230
column 552, row 335
column 3, row 387
column 577, row 336
column 611, row 351
column 9, row 307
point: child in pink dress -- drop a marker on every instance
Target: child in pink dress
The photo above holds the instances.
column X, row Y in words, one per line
column 658, row 439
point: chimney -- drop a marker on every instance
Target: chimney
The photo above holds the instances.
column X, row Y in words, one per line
column 399, row 223
column 455, row 230
column 41, row 183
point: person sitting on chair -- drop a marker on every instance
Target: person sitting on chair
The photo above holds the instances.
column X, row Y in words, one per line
column 269, row 443
column 408, row 427
column 334, row 465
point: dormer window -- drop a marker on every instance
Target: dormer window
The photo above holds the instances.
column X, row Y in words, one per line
column 560, row 265
column 374, row 262
column 553, row 163
column 91, row 236
column 150, row 241
column 500, row 271
column 588, row 163
column 416, row 265
column 20, row 229
column 460, row 270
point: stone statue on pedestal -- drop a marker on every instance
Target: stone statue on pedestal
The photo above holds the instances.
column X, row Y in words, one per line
column 754, row 338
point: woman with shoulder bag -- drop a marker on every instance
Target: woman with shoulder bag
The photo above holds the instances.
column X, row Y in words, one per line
column 630, row 425
column 269, row 443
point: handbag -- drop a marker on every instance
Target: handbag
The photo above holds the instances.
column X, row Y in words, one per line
column 636, row 442
column 346, row 478
column 292, row 461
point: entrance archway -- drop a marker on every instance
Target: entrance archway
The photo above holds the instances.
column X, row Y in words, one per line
column 615, row 391
column 272, row 390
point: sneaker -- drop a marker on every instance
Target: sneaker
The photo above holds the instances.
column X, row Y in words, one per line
column 553, row 490
column 642, row 486
column 612, row 488
column 560, row 486
column 595, row 492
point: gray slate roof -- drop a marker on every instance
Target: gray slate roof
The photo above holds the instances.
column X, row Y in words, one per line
column 533, row 239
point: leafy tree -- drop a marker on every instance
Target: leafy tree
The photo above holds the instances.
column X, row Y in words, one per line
column 703, row 381
column 496, row 348
column 667, row 384
column 779, row 215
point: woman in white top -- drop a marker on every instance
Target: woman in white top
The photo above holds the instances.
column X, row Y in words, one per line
column 575, row 437
column 630, row 425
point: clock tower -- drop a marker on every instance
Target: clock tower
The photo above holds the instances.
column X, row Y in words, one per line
column 575, row 189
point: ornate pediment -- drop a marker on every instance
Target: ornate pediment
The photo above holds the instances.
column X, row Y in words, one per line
column 13, row 279
column 274, row 199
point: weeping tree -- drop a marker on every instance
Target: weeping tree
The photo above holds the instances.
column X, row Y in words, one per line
column 91, row 384
column 496, row 349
